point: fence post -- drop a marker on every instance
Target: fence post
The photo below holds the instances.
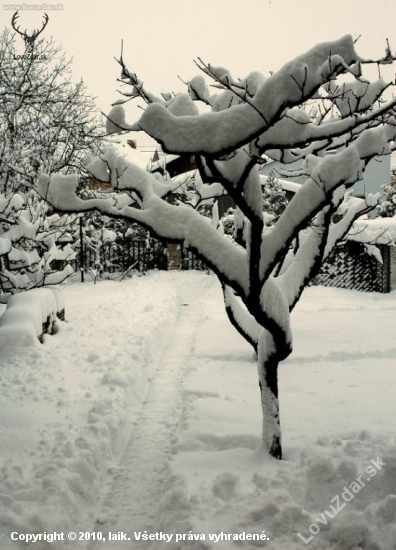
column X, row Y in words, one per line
column 81, row 249
column 174, row 256
column 384, row 270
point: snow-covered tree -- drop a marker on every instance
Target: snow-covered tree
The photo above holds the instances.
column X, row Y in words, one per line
column 274, row 203
column 47, row 124
column 274, row 199
column 387, row 205
column 265, row 270
column 35, row 244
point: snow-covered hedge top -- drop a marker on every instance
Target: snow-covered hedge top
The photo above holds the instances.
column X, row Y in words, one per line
column 376, row 231
column 22, row 322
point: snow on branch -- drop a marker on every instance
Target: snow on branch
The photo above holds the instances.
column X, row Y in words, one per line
column 295, row 128
column 171, row 222
column 219, row 132
column 329, row 173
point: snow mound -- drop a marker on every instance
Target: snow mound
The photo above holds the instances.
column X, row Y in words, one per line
column 30, row 314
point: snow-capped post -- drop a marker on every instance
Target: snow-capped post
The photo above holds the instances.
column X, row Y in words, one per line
column 302, row 112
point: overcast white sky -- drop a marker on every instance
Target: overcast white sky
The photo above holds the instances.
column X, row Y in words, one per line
column 162, row 38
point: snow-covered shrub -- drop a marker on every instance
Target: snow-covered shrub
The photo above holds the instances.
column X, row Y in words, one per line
column 274, row 199
column 29, row 315
column 387, row 205
column 36, row 243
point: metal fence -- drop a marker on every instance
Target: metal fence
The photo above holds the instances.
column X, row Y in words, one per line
column 350, row 266
column 138, row 255
column 192, row 261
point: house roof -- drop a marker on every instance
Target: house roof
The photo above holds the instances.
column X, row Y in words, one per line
column 120, row 142
column 163, row 161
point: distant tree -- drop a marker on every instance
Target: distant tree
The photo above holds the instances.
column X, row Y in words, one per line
column 387, row 205
column 47, row 124
column 265, row 270
column 227, row 222
column 274, row 204
column 274, row 199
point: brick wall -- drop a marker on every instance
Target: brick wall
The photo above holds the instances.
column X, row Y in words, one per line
column 174, row 256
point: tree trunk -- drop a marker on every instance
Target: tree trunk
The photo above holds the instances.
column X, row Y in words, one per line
column 268, row 381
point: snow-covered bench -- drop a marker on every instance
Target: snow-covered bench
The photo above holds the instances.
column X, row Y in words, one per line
column 30, row 315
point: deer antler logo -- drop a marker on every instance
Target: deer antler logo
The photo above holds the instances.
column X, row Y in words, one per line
column 29, row 39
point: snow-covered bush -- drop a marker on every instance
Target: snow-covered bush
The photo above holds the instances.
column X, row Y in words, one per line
column 265, row 270
column 274, row 204
column 387, row 204
column 35, row 243
column 274, row 199
column 29, row 315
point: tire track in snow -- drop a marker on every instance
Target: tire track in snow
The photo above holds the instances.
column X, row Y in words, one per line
column 137, row 488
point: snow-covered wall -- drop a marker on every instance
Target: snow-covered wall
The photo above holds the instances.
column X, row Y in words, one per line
column 376, row 174
column 30, row 315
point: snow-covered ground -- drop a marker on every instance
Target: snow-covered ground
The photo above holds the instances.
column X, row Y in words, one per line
column 142, row 414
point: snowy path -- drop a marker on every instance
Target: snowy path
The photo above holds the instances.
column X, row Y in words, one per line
column 137, row 486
